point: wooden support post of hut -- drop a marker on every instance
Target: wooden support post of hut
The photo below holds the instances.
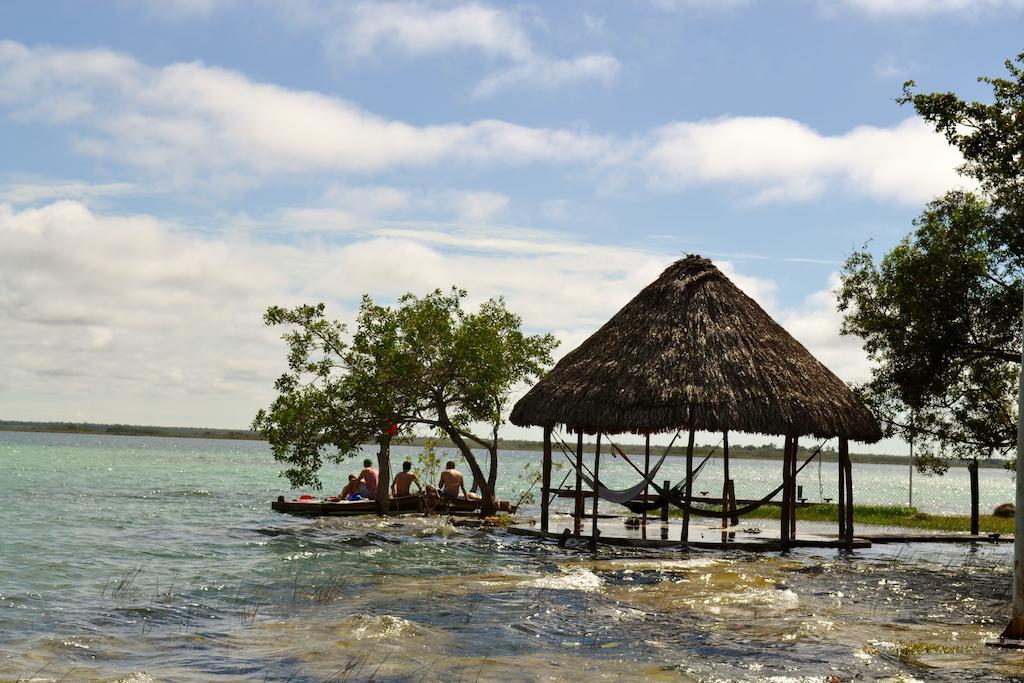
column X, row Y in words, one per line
column 792, row 487
column 691, row 351
column 784, row 508
column 647, row 472
column 844, row 460
column 578, row 509
column 545, row 486
column 841, row 497
column 725, row 478
column 597, row 483
column 689, row 488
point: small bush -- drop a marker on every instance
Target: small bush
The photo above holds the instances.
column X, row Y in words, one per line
column 1004, row 510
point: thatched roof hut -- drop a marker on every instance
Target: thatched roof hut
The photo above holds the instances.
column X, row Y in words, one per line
column 692, row 350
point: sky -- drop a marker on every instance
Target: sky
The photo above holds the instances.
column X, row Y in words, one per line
column 170, row 168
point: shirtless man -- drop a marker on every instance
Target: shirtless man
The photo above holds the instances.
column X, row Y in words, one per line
column 351, row 487
column 368, row 479
column 404, row 480
column 452, row 482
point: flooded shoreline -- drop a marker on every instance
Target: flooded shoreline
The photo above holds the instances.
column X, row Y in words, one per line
column 165, row 564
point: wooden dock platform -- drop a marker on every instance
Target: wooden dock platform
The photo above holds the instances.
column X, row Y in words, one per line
column 614, row 532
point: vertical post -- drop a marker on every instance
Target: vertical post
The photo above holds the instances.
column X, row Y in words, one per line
column 725, row 479
column 784, row 508
column 792, row 487
column 844, row 458
column 1015, row 629
column 597, row 483
column 841, row 498
column 664, row 502
column 910, row 478
column 647, row 469
column 689, row 488
column 972, row 469
column 578, row 509
column 545, row 487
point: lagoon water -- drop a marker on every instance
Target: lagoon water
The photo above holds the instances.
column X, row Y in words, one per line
column 145, row 559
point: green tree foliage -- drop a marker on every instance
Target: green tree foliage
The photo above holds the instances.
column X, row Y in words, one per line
column 990, row 136
column 467, row 366
column 424, row 362
column 940, row 314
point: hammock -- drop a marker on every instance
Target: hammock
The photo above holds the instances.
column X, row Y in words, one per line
column 721, row 514
column 624, row 495
column 639, row 506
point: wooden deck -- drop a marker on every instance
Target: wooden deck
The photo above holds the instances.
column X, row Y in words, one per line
column 656, row 534
column 612, row 531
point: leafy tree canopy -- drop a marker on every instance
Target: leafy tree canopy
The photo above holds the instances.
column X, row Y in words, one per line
column 425, row 361
column 940, row 314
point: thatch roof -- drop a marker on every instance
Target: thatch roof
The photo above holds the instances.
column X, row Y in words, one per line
column 692, row 346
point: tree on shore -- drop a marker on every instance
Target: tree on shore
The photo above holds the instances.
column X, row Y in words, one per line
column 425, row 362
column 940, row 313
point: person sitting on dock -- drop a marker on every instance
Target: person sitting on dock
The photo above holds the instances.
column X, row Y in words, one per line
column 350, row 488
column 452, row 482
column 367, row 481
column 404, row 480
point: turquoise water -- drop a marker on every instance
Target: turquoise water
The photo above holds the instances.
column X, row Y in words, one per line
column 127, row 558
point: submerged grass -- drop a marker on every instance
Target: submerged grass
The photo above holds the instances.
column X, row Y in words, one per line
column 891, row 515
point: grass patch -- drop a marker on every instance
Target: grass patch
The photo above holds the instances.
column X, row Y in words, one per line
column 888, row 515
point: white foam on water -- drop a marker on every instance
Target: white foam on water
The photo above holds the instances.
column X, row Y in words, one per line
column 572, row 580
column 378, row 627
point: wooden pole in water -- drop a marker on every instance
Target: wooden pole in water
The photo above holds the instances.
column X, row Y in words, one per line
column 792, row 488
column 545, row 486
column 597, row 483
column 578, row 510
column 725, row 479
column 972, row 469
column 844, row 459
column 784, row 508
column 841, row 499
column 685, row 536
column 647, row 470
column 1015, row 629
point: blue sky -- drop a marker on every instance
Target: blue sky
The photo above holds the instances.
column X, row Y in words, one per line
column 170, row 168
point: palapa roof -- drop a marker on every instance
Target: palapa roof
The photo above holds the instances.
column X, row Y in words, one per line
column 692, row 346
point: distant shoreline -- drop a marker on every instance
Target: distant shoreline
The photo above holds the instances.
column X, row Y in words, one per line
column 765, row 452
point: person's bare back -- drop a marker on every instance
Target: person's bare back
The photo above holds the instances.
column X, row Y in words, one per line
column 404, row 480
column 452, row 481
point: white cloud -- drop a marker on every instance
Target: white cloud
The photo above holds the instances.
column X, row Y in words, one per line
column 418, row 29
column 189, row 121
column 815, row 324
column 188, row 117
column 784, row 160
column 29, row 192
column 903, row 8
column 552, row 73
column 130, row 318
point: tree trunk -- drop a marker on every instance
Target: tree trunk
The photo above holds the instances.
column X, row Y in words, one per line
column 382, row 503
column 488, row 506
column 492, row 475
